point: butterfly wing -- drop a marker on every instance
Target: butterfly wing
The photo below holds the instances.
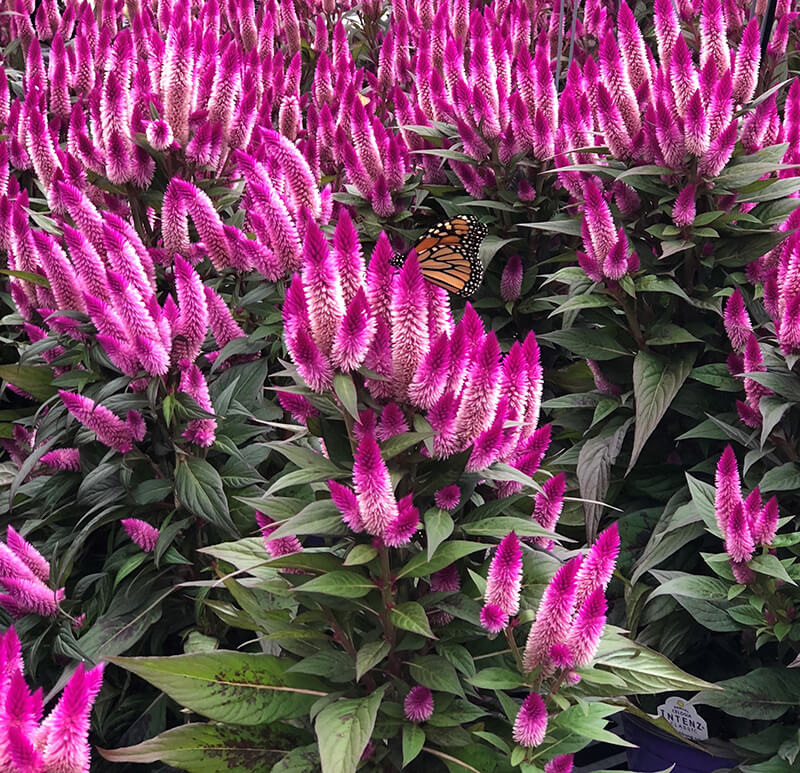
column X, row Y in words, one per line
column 448, row 254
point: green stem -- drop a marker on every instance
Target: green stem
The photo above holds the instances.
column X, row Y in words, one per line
column 509, row 633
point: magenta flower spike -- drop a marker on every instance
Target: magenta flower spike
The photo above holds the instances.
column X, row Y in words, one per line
column 63, row 459
column 347, row 502
column 547, row 506
column 418, row 705
column 323, row 289
column 616, row 79
column 400, row 530
column 714, row 36
column 587, row 628
column 193, row 383
column 738, row 539
column 348, row 256
column 748, row 59
column 515, row 387
column 488, row 446
column 615, row 265
column 728, row 488
column 682, row 75
column 139, row 324
column 380, row 279
column 122, row 258
column 312, row 365
column 28, row 554
column 599, row 223
column 634, row 51
column 448, row 497
column 29, row 597
column 87, row 263
column 355, row 335
column 504, row 581
column 192, row 323
column 376, row 503
column 737, row 322
column 431, row 377
column 64, row 282
column 440, row 315
column 765, row 525
column 379, row 360
column 719, row 152
column 63, row 736
column 177, row 79
column 684, row 209
column 482, row 393
column 511, row 280
column 282, row 546
column 530, row 725
column 207, row 221
column 409, row 316
column 303, row 186
column 561, row 764
column 393, row 422
column 110, row 430
column 554, row 616
column 598, row 565
column 224, row 327
column 141, row 533
column 40, row 146
column 667, row 28
column 696, row 126
column 174, row 222
column 616, row 135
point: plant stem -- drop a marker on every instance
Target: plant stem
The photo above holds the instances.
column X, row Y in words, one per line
column 509, row 633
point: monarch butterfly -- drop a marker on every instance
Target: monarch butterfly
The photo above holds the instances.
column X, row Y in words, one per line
column 448, row 254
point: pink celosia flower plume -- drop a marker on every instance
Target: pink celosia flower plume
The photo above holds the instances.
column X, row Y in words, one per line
column 282, row 546
column 109, row 429
column 728, row 488
column 503, row 584
column 142, row 533
column 530, row 725
column 737, row 322
column 587, row 628
column 418, row 704
column 598, row 565
column 547, row 506
column 554, row 616
column 376, row 503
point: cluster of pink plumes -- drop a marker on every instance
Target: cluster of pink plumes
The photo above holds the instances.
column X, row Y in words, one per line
column 56, row 744
column 340, row 315
column 745, row 523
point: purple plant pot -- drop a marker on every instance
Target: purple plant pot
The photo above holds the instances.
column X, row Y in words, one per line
column 657, row 751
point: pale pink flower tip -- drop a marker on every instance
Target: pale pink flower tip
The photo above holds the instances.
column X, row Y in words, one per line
column 561, row 764
column 511, row 279
column 447, row 498
column 737, row 321
column 142, row 533
column 493, row 619
column 418, row 705
column 345, row 499
column 504, row 582
column 683, row 213
column 531, row 723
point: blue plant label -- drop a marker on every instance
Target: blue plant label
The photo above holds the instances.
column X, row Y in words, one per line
column 684, row 719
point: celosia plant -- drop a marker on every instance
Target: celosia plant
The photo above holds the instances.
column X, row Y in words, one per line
column 59, row 743
column 418, row 447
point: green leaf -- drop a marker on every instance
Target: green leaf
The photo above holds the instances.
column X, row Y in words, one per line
column 233, row 687
column 594, row 343
column 771, row 566
column 438, row 527
column 502, row 525
column 343, row 730
column 667, row 334
column 772, row 410
column 693, row 586
column 786, row 477
column 436, row 673
column 763, row 694
column 321, row 518
column 201, row 748
column 36, row 380
column 360, row 554
column 199, row 489
column 656, row 381
column 34, row 279
column 344, row 584
column 410, row 616
column 717, row 375
column 569, row 226
column 649, row 283
column 413, row 741
column 457, row 655
column 369, row 656
column 496, row 679
column 299, row 760
column 396, row 444
column 447, row 553
column 583, row 301
column 345, row 390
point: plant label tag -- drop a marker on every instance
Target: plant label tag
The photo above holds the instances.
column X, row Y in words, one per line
column 684, row 719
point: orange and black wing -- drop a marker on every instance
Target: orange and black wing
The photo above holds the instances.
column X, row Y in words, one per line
column 448, row 254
